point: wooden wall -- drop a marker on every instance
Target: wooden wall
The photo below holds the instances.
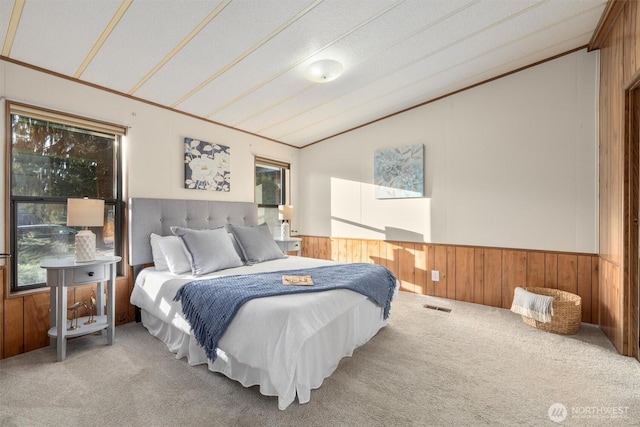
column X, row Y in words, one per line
column 619, row 68
column 474, row 274
column 2, row 272
column 26, row 316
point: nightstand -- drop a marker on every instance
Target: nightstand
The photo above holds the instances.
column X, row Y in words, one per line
column 290, row 244
column 66, row 273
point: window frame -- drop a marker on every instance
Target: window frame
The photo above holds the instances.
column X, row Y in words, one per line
column 285, row 185
column 12, row 202
column 284, row 190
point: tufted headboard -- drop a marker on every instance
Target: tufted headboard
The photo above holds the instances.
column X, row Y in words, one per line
column 148, row 216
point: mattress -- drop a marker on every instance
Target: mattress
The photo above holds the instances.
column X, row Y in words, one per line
column 287, row 345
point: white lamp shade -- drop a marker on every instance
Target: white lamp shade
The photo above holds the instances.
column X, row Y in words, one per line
column 85, row 213
column 285, row 212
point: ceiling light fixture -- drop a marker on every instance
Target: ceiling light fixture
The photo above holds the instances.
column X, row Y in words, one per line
column 324, row 70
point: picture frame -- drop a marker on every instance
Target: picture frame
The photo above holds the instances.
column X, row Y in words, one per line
column 207, row 166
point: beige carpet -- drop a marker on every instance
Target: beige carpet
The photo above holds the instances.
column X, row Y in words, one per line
column 474, row 366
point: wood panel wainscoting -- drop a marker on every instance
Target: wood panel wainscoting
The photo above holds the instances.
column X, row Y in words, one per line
column 25, row 316
column 479, row 275
column 474, row 274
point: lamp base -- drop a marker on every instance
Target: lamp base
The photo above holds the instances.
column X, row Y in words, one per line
column 85, row 246
column 285, row 233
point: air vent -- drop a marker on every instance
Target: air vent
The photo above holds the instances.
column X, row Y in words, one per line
column 435, row 307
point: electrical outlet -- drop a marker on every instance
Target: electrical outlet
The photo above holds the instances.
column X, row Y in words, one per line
column 435, row 275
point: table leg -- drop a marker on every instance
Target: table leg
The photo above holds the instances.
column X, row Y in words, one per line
column 111, row 305
column 53, row 303
column 61, row 320
column 100, row 300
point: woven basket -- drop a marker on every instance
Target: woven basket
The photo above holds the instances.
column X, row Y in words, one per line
column 567, row 312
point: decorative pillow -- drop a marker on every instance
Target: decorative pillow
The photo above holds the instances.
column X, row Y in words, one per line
column 257, row 243
column 156, row 251
column 174, row 255
column 236, row 246
column 210, row 250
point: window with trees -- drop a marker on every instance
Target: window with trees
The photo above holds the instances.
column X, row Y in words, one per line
column 272, row 186
column 53, row 157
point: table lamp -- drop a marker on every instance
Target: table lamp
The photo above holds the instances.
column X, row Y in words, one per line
column 285, row 214
column 85, row 213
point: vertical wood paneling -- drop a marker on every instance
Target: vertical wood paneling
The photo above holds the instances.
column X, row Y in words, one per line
column 373, row 252
column 551, row 271
column 391, row 256
column 514, row 274
column 451, row 272
column 440, row 264
column 478, row 276
column 632, row 215
column 568, row 273
column 406, row 266
column 431, row 265
column 595, row 290
column 584, row 286
column 308, row 247
column 464, row 265
column 13, row 327
column 535, row 269
column 324, row 250
column 355, row 250
column 334, row 249
column 36, row 321
column 2, row 284
column 610, row 310
column 421, row 253
column 122, row 303
column 493, row 277
column 342, row 250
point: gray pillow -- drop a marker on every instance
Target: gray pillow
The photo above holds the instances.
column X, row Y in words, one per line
column 209, row 250
column 256, row 243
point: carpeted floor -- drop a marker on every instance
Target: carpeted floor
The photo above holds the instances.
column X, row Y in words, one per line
column 474, row 366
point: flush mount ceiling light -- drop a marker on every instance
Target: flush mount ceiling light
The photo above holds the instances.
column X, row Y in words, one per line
column 324, row 70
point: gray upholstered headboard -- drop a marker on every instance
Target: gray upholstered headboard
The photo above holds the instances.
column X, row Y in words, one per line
column 148, row 216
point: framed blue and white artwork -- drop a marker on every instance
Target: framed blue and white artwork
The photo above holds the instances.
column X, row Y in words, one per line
column 207, row 166
column 399, row 172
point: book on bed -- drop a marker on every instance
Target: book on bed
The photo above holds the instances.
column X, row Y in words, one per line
column 297, row 280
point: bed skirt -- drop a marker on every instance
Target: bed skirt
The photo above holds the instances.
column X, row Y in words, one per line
column 318, row 359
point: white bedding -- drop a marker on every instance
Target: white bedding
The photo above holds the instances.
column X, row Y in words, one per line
column 286, row 344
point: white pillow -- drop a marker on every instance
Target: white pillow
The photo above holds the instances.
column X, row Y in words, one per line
column 156, row 251
column 209, row 250
column 174, row 255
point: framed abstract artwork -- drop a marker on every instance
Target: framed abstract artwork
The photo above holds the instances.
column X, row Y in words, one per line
column 399, row 172
column 207, row 166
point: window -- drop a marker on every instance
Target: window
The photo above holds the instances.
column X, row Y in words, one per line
column 272, row 178
column 54, row 157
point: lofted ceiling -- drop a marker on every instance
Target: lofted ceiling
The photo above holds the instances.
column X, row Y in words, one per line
column 241, row 63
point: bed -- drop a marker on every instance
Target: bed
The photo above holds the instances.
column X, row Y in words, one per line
column 285, row 344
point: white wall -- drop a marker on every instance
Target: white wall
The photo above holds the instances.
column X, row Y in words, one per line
column 511, row 163
column 154, row 144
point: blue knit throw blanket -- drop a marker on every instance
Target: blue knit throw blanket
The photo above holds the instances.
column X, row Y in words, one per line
column 211, row 304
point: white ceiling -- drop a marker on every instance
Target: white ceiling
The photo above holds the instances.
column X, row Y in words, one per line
column 241, row 62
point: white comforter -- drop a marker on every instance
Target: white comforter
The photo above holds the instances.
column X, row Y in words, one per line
column 270, row 334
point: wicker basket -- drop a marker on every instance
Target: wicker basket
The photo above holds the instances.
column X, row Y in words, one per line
column 567, row 312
